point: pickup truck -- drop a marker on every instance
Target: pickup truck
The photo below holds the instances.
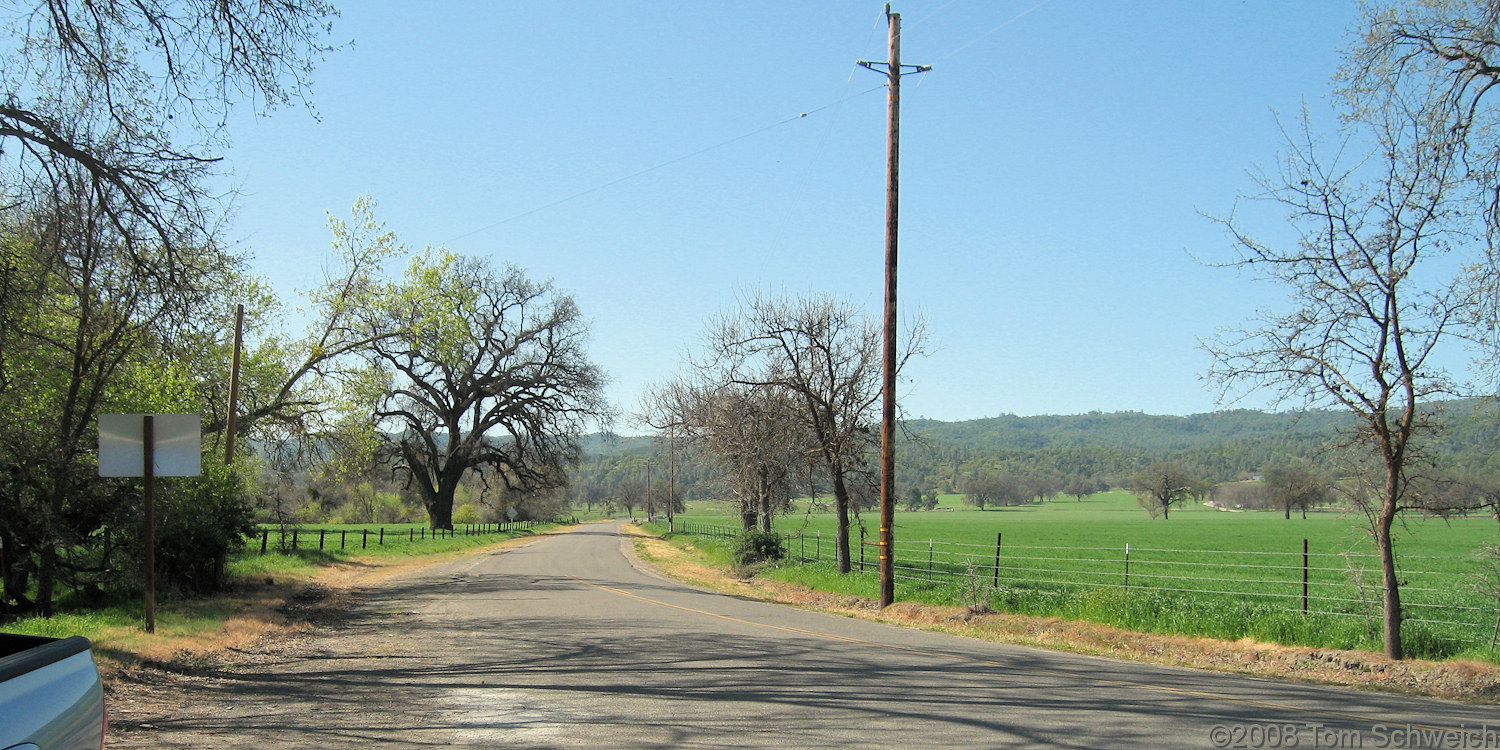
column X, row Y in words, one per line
column 50, row 694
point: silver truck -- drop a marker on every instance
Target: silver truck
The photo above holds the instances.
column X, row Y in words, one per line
column 50, row 694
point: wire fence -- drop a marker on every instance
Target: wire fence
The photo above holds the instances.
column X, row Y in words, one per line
column 1434, row 589
column 294, row 539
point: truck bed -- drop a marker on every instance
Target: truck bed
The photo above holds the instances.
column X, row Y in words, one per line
column 50, row 694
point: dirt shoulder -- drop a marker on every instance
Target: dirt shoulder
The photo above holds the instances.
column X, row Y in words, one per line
column 148, row 678
column 1457, row 680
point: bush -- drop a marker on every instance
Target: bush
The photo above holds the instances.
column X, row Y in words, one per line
column 756, row 546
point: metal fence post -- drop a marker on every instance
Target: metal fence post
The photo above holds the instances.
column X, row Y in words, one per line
column 861, row 549
column 321, row 534
column 366, row 543
column 1127, row 565
column 998, row 537
column 929, row 560
column 1304, row 576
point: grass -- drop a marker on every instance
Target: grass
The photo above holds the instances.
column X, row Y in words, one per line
column 1065, row 559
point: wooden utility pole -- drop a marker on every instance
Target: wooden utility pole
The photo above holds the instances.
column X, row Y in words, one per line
column 231, row 423
column 671, row 477
column 893, row 71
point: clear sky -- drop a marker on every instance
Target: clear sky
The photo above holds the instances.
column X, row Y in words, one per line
column 649, row 157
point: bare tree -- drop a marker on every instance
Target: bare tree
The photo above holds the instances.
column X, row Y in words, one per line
column 1369, row 310
column 1296, row 485
column 106, row 85
column 488, row 369
column 1163, row 485
column 630, row 494
column 826, row 355
column 752, row 434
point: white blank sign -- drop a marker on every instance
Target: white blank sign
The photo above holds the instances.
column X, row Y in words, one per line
column 177, row 453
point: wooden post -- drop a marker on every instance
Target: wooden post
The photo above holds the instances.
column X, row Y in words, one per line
column 230, row 422
column 265, row 536
column 148, row 555
column 321, row 534
column 366, row 543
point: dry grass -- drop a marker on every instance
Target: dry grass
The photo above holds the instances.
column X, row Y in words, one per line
column 1458, row 680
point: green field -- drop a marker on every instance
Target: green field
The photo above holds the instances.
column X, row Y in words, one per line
column 1202, row 572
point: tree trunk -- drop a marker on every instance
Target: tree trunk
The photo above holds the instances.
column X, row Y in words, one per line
column 1392, row 598
column 46, row 578
column 841, row 509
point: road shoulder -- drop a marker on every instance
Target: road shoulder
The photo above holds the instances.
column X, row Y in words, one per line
column 1467, row 681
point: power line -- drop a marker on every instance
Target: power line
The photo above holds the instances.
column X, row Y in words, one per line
column 987, row 34
column 661, row 165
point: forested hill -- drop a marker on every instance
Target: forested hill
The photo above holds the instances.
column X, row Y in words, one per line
column 1108, row 447
column 1132, row 430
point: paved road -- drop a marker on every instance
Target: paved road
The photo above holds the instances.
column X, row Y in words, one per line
column 564, row 644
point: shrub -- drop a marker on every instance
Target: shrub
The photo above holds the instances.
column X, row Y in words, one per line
column 755, row 546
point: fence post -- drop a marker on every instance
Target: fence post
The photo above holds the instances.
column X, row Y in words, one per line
column 861, row 549
column 382, row 536
column 1127, row 565
column 294, row 540
column 818, row 547
column 366, row 543
column 343, row 537
column 1304, row 576
column 929, row 560
column 265, row 535
column 321, row 533
column 998, row 536
column 801, row 548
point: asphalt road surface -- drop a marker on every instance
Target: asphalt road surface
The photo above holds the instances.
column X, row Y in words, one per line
column 564, row 643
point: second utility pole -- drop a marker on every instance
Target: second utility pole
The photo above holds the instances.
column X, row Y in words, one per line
column 888, row 407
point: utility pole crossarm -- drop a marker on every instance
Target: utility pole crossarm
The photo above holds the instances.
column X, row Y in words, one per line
column 884, row 68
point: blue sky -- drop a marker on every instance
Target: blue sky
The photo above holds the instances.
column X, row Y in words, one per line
column 1056, row 166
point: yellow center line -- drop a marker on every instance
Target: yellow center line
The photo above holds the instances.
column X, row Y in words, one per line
column 1287, row 707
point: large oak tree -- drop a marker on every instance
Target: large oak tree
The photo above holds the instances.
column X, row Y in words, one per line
column 488, row 369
